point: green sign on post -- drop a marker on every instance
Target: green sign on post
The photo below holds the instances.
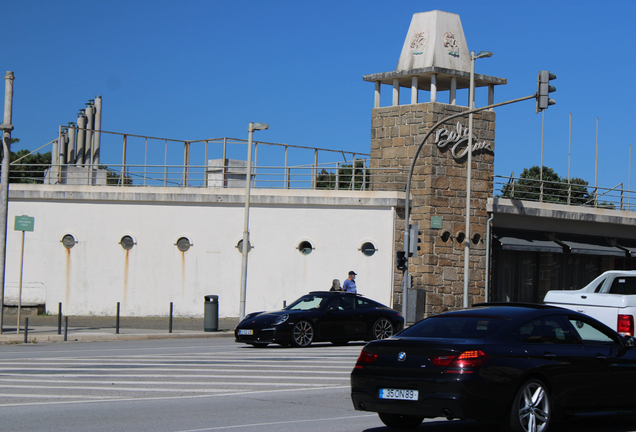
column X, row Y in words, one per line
column 24, row 223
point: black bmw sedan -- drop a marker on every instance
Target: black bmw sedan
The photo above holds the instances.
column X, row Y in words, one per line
column 510, row 363
column 319, row 316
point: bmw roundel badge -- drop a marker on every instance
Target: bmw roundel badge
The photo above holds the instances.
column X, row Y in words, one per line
column 402, row 356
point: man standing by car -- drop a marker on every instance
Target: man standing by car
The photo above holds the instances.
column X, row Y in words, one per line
column 349, row 285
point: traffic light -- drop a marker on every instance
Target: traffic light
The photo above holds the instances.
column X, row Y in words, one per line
column 414, row 239
column 400, row 260
column 544, row 89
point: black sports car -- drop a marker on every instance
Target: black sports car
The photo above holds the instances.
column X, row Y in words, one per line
column 518, row 364
column 335, row 317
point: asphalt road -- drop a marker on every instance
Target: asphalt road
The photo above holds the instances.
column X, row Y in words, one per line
column 188, row 385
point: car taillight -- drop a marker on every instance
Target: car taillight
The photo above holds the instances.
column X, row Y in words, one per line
column 365, row 358
column 625, row 325
column 467, row 359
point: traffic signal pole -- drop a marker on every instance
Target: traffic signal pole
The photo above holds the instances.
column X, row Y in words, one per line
column 407, row 204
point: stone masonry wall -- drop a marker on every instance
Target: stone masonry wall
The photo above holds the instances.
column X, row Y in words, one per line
column 438, row 188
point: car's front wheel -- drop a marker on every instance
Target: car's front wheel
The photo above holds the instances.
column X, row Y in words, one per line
column 531, row 410
column 382, row 329
column 302, row 334
column 399, row 421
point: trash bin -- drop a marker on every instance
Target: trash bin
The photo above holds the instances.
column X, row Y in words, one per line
column 211, row 313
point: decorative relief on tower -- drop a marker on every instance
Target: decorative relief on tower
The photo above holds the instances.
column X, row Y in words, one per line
column 418, row 43
column 451, row 44
column 458, row 141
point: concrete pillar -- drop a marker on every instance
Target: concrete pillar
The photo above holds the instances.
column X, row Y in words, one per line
column 396, row 92
column 453, row 91
column 434, row 88
column 491, row 95
column 414, row 89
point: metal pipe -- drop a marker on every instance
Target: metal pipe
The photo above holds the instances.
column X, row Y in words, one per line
column 248, row 180
column 170, row 323
column 81, row 138
column 224, row 160
column 90, row 125
column 59, row 318
column 98, row 127
column 596, row 168
column 469, row 166
column 487, row 285
column 65, row 328
column 71, row 152
column 4, row 186
column 117, row 322
column 205, row 158
column 123, row 162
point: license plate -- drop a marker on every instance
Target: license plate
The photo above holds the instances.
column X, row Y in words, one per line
column 246, row 332
column 398, row 394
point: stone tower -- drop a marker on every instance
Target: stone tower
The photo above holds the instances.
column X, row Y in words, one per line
column 435, row 58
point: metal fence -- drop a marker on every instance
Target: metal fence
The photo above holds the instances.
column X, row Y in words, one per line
column 135, row 160
column 570, row 193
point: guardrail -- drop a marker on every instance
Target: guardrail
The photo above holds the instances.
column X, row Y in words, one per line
column 572, row 193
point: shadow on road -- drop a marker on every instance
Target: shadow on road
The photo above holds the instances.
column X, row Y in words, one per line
column 586, row 424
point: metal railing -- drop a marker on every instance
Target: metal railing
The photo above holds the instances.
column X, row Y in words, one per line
column 136, row 160
column 572, row 193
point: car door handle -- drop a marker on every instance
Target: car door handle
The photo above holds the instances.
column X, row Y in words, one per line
column 601, row 357
column 549, row 355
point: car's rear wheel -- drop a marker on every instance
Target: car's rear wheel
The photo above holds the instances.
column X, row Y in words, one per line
column 399, row 421
column 531, row 410
column 382, row 329
column 302, row 334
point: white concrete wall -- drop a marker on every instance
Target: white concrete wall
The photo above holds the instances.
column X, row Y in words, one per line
column 91, row 277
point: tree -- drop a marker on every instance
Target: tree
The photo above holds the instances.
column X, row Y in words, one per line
column 555, row 188
column 29, row 169
column 348, row 178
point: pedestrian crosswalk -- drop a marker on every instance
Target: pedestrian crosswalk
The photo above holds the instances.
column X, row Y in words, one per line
column 206, row 370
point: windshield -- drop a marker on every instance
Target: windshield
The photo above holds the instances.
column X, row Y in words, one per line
column 454, row 327
column 309, row 302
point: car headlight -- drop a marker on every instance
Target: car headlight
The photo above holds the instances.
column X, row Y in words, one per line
column 281, row 319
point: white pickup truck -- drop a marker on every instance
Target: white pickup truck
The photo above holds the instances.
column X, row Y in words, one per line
column 610, row 298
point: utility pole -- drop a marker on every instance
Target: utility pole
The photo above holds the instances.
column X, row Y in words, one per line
column 6, row 127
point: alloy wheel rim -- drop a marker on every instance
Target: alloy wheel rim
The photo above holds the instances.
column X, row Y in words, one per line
column 383, row 329
column 303, row 333
column 534, row 408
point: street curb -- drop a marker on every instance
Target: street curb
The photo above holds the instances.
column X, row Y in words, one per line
column 16, row 339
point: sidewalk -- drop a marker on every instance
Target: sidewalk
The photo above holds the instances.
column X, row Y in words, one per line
column 44, row 328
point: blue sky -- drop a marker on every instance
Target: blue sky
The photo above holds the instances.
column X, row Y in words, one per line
column 197, row 69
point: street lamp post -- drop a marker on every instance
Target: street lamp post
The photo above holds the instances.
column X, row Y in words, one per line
column 471, row 105
column 246, row 241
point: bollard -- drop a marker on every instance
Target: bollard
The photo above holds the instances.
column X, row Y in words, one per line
column 170, row 324
column 26, row 330
column 117, row 323
column 65, row 328
column 284, row 304
column 59, row 318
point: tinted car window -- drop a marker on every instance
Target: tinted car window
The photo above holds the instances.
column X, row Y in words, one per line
column 307, row 302
column 342, row 303
column 363, row 304
column 454, row 327
column 591, row 334
column 623, row 285
column 547, row 330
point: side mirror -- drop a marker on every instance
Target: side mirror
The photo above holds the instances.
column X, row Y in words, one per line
column 630, row 341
